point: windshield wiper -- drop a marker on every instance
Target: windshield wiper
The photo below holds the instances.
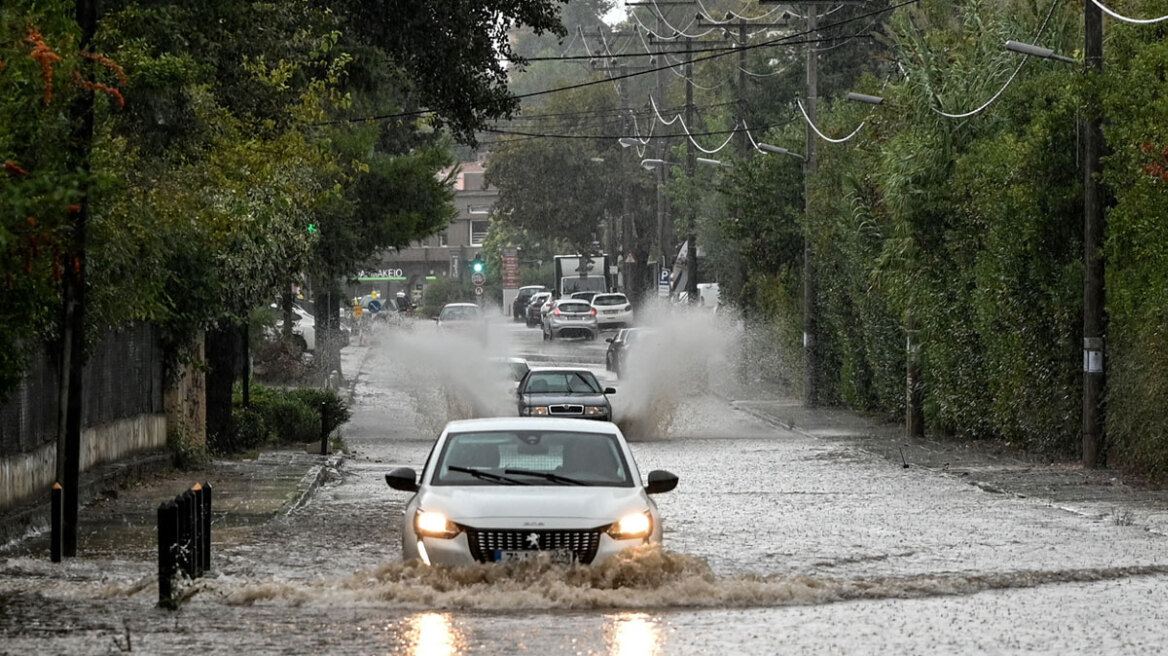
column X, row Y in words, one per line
column 555, row 478
column 486, row 476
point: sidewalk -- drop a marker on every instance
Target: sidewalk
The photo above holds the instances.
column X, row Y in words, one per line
column 992, row 466
column 118, row 513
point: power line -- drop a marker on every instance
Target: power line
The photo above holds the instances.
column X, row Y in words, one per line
column 782, row 41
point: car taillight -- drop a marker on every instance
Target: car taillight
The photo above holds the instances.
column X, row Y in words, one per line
column 556, row 312
column 592, row 311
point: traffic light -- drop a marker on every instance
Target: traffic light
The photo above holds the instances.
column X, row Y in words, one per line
column 478, row 265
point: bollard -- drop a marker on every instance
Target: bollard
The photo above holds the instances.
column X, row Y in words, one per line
column 205, row 551
column 197, row 531
column 56, row 534
column 167, row 537
column 324, row 428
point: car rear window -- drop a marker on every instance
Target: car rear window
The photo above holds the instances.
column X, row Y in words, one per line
column 610, row 300
column 575, row 307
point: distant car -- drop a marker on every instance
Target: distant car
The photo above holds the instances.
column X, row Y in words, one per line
column 303, row 327
column 612, row 310
column 621, row 345
column 511, row 369
column 570, row 392
column 462, row 318
column 570, row 317
column 532, row 312
column 504, row 490
column 585, row 295
column 519, row 305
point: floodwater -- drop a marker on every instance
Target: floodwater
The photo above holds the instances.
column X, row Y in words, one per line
column 774, row 541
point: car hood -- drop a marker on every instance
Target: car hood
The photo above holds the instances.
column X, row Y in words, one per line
column 543, row 398
column 537, row 506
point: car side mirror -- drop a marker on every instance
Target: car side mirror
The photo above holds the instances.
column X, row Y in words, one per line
column 610, row 390
column 660, row 481
column 406, row 479
column 608, row 339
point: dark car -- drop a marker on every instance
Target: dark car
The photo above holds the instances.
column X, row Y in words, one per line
column 533, row 313
column 519, row 305
column 619, row 346
column 564, row 392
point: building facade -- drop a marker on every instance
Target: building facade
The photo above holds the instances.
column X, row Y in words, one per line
column 445, row 255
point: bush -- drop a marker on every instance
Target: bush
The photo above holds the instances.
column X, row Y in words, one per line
column 249, row 430
column 291, row 420
column 336, row 410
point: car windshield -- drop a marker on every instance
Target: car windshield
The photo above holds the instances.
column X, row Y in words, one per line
column 460, row 312
column 610, row 300
column 575, row 307
column 531, row 458
column 562, row 382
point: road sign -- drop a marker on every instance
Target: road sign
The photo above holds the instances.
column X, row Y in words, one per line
column 478, row 291
column 478, row 279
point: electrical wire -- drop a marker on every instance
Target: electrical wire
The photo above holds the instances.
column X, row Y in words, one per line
column 1134, row 21
column 735, row 16
column 1017, row 70
column 799, row 102
column 782, row 41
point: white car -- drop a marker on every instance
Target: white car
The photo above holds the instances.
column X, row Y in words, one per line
column 303, row 327
column 613, row 310
column 508, row 489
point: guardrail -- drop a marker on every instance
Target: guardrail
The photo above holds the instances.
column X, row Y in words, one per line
column 184, row 540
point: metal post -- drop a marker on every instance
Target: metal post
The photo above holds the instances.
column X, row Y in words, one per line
column 55, row 536
column 324, row 428
column 167, row 537
column 810, row 391
column 1094, row 225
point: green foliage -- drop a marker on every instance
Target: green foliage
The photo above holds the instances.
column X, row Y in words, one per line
column 291, row 416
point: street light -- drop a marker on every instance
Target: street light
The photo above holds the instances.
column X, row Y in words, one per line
column 1094, row 226
column 1037, row 51
column 865, row 98
column 778, row 149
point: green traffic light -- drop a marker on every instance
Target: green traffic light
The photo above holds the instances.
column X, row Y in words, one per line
column 478, row 266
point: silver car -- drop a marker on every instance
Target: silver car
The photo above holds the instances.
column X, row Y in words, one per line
column 570, row 317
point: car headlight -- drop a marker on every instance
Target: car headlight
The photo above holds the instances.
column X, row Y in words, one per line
column 435, row 525
column 595, row 411
column 635, row 525
column 536, row 411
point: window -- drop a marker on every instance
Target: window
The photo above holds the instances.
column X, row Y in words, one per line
column 444, row 238
column 478, row 232
column 478, row 209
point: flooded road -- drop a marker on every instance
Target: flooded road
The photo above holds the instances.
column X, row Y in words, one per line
column 774, row 541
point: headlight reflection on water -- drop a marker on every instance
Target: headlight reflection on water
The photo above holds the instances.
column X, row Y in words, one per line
column 433, row 634
column 633, row 634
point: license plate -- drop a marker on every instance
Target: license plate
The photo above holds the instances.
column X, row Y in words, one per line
column 561, row 556
column 612, row 311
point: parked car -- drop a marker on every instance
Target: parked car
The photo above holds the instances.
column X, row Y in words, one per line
column 504, row 490
column 533, row 312
column 519, row 305
column 616, row 358
column 570, row 317
column 510, row 369
column 463, row 319
column 303, row 327
column 570, row 392
column 612, row 310
column 585, row 295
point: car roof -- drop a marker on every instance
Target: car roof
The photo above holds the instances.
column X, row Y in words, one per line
column 533, row 423
column 610, row 294
column 563, row 369
column 571, row 300
column 473, row 305
column 533, row 287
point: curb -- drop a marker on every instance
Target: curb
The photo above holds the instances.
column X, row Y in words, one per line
column 311, row 481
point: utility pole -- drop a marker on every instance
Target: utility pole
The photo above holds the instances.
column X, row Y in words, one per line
column 1094, row 225
column 810, row 387
column 691, row 238
column 73, row 296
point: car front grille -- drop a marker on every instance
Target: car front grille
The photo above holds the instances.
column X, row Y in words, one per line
column 564, row 409
column 484, row 543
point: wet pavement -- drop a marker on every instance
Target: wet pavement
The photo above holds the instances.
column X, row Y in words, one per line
column 792, row 530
